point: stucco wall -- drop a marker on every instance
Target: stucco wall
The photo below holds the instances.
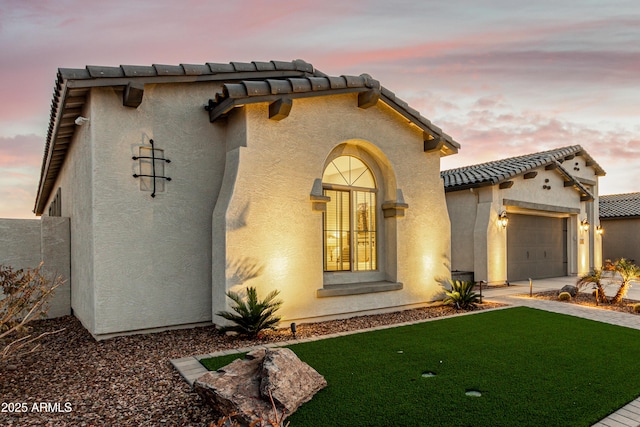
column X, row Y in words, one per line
column 75, row 183
column 141, row 262
column 153, row 254
column 621, row 239
column 462, row 208
column 272, row 228
column 24, row 243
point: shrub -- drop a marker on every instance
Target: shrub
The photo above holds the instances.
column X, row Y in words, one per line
column 252, row 316
column 636, row 308
column 564, row 296
column 25, row 296
column 461, row 295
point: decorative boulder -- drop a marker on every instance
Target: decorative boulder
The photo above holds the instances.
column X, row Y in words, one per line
column 572, row 290
column 245, row 388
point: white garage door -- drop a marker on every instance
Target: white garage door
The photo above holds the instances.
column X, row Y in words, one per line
column 536, row 247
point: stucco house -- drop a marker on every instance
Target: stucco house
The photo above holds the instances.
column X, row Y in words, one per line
column 183, row 182
column 620, row 220
column 531, row 216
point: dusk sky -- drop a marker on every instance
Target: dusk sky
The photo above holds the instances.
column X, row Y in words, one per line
column 502, row 77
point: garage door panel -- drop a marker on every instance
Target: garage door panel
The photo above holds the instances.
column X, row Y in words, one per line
column 536, row 247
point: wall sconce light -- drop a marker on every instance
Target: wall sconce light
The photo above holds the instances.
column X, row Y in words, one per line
column 600, row 230
column 503, row 219
column 79, row 121
column 584, row 225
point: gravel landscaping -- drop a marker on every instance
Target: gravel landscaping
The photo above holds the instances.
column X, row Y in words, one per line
column 129, row 381
column 588, row 300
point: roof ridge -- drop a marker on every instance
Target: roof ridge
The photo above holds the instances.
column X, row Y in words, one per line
column 632, row 195
column 511, row 159
column 182, row 69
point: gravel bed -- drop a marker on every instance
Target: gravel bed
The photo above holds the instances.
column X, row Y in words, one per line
column 129, row 381
column 588, row 300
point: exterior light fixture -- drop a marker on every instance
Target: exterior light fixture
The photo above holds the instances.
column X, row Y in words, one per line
column 293, row 329
column 79, row 121
column 584, row 225
column 503, row 219
column 600, row 230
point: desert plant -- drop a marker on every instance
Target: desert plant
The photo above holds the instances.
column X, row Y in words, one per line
column 564, row 296
column 595, row 278
column 461, row 295
column 628, row 271
column 251, row 316
column 24, row 297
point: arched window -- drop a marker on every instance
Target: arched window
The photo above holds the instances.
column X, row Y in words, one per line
column 350, row 218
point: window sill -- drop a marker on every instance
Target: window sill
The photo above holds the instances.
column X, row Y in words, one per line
column 357, row 288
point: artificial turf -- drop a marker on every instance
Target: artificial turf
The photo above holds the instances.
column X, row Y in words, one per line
column 532, row 368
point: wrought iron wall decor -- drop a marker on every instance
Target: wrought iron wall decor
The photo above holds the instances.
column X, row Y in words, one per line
column 153, row 175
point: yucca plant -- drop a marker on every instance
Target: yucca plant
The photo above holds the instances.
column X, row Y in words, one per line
column 461, row 295
column 251, row 316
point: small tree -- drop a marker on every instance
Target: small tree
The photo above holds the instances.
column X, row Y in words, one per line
column 252, row 316
column 595, row 278
column 25, row 296
column 628, row 271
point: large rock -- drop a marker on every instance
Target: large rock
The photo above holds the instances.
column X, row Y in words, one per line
column 573, row 291
column 242, row 388
column 290, row 381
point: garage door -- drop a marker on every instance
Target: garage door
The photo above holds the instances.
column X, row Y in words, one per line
column 536, row 247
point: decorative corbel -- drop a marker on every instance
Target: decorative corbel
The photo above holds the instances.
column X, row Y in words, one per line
column 432, row 143
column 318, row 200
column 280, row 109
column 368, row 98
column 133, row 94
column 394, row 209
column 506, row 184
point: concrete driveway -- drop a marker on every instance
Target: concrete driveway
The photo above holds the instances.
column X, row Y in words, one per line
column 555, row 283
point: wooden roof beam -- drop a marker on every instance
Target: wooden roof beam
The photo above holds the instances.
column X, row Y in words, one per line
column 280, row 109
column 133, row 94
column 369, row 98
column 432, row 143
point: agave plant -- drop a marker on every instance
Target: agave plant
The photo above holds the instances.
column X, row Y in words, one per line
column 461, row 295
column 251, row 316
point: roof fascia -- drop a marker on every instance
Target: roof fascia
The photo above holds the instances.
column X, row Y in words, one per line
column 222, row 109
column 44, row 173
column 449, row 147
column 226, row 77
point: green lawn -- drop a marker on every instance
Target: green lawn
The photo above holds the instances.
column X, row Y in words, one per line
column 533, row 368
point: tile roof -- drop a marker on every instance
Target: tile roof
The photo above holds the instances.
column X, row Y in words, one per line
column 498, row 171
column 243, row 81
column 72, row 86
column 620, row 205
column 319, row 84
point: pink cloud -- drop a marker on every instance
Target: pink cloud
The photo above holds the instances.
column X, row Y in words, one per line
column 21, row 151
column 488, row 135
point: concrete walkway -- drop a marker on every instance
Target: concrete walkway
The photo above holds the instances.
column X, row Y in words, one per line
column 514, row 295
